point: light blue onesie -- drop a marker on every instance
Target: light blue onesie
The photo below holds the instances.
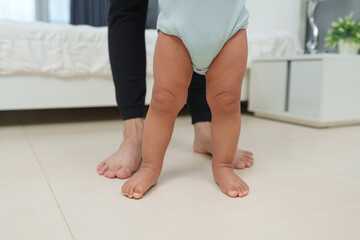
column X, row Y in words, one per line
column 204, row 26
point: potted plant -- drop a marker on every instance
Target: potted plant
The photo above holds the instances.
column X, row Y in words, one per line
column 345, row 33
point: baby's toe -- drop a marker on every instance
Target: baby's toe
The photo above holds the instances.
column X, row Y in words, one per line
column 239, row 190
column 243, row 193
column 131, row 190
column 232, row 192
column 139, row 192
column 244, row 190
column 127, row 189
column 124, row 189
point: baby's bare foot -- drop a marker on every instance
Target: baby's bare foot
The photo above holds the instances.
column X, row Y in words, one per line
column 230, row 183
column 141, row 182
column 125, row 160
column 202, row 144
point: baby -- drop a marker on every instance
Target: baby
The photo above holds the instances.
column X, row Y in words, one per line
column 208, row 37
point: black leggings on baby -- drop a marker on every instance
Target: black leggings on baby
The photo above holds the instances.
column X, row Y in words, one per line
column 127, row 19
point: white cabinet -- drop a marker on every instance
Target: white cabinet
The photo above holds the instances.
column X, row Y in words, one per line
column 316, row 90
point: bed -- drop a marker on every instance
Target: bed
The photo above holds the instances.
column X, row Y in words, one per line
column 46, row 66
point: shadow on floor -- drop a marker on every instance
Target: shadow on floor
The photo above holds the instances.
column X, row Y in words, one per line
column 53, row 116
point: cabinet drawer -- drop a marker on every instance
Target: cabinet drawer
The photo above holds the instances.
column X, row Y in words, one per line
column 305, row 83
column 268, row 86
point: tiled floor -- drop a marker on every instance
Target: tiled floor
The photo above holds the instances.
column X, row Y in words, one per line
column 305, row 183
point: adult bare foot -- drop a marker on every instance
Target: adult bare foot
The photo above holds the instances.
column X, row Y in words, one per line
column 142, row 181
column 202, row 144
column 230, row 183
column 126, row 160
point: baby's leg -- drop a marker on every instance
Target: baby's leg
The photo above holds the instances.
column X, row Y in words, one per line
column 172, row 74
column 224, row 80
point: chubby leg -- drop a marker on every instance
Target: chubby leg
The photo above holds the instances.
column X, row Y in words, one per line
column 201, row 119
column 172, row 74
column 224, row 80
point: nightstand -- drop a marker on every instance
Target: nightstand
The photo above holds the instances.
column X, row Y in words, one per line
column 318, row 90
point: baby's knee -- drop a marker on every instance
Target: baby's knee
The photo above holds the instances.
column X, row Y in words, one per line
column 167, row 101
column 225, row 102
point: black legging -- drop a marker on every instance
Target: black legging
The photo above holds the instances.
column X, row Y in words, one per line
column 127, row 19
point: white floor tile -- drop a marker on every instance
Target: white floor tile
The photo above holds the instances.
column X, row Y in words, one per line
column 287, row 195
column 337, row 153
column 28, row 209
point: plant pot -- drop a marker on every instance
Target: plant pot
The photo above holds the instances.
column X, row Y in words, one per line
column 348, row 47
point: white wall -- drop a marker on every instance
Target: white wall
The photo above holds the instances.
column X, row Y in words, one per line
column 278, row 14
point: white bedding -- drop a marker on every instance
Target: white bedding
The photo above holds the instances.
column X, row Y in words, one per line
column 78, row 51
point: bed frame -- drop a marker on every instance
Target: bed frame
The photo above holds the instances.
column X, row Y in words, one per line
column 23, row 92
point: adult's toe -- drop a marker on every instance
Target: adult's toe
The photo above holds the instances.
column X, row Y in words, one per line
column 103, row 169
column 123, row 173
column 109, row 174
column 239, row 165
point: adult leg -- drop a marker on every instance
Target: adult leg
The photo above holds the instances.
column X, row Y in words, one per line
column 201, row 119
column 224, row 81
column 127, row 19
column 198, row 106
column 172, row 74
